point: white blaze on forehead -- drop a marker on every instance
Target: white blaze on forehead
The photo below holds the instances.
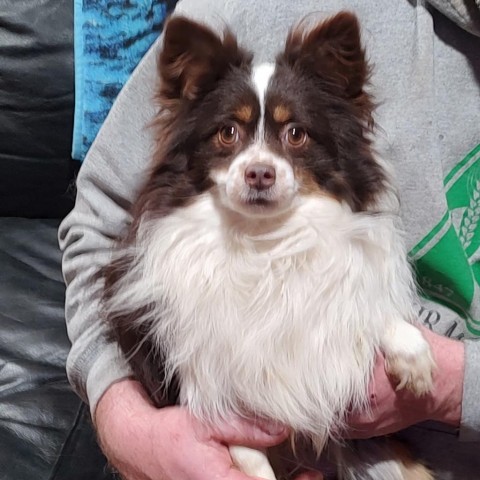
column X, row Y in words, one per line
column 261, row 75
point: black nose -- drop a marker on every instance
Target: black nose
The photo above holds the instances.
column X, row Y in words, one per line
column 260, row 176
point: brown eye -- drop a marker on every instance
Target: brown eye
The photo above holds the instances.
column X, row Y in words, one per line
column 228, row 135
column 296, row 136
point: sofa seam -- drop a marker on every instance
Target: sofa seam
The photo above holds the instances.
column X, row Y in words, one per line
column 67, row 441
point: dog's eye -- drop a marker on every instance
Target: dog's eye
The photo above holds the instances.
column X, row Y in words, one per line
column 228, row 135
column 296, row 136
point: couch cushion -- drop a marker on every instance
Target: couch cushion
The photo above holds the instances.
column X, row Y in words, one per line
column 36, row 107
column 44, row 428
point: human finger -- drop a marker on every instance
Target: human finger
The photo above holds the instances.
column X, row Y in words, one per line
column 249, row 433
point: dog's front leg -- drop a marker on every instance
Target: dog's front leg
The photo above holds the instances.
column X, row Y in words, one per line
column 252, row 462
column 408, row 357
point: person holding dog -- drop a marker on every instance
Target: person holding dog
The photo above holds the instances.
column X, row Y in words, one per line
column 426, row 79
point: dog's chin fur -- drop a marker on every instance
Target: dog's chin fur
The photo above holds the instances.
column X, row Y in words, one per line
column 271, row 311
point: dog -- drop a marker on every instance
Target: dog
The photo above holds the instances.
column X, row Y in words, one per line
column 265, row 266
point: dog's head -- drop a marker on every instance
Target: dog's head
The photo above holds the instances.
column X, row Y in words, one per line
column 262, row 138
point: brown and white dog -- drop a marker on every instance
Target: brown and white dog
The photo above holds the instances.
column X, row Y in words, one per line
column 264, row 267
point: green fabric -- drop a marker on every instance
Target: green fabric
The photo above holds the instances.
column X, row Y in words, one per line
column 447, row 259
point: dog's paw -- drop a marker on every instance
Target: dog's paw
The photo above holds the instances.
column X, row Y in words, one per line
column 252, row 462
column 408, row 359
column 413, row 372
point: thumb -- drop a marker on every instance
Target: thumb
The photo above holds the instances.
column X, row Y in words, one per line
column 249, row 433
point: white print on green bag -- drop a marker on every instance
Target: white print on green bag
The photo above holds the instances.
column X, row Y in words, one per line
column 447, row 259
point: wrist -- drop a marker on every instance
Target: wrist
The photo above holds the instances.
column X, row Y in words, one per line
column 122, row 413
column 449, row 356
column 126, row 396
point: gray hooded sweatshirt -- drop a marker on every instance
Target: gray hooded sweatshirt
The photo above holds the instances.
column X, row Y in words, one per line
column 426, row 58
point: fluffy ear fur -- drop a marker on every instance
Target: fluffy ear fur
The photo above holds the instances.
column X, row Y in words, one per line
column 194, row 59
column 333, row 50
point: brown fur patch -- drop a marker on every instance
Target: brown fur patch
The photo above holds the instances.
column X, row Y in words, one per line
column 192, row 60
column 334, row 51
column 309, row 186
column 244, row 113
column 412, row 469
column 281, row 114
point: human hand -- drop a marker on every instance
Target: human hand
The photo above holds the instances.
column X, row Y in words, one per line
column 391, row 410
column 146, row 443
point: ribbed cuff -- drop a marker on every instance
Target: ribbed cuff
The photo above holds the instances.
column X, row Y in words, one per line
column 109, row 368
column 470, row 422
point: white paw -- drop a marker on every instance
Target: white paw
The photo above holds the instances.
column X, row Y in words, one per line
column 413, row 372
column 252, row 462
column 408, row 359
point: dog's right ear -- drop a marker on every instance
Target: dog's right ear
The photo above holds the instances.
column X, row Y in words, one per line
column 194, row 59
column 333, row 51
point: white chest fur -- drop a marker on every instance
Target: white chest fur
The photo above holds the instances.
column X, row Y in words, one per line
column 282, row 323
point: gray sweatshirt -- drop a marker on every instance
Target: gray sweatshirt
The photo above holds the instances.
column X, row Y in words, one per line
column 426, row 80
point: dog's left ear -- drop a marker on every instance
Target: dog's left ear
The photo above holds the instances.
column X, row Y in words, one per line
column 194, row 59
column 333, row 50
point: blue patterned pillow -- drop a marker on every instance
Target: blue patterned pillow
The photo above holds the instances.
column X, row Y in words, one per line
column 111, row 36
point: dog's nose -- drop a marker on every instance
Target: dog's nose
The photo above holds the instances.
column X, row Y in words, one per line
column 260, row 176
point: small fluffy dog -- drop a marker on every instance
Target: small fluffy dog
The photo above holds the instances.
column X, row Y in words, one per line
column 264, row 268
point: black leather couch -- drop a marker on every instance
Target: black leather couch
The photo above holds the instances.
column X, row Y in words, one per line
column 45, row 431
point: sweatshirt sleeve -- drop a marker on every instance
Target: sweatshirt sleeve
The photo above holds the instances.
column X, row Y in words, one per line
column 465, row 13
column 470, row 422
column 107, row 183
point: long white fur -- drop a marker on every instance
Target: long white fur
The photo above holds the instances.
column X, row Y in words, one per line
column 284, row 322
